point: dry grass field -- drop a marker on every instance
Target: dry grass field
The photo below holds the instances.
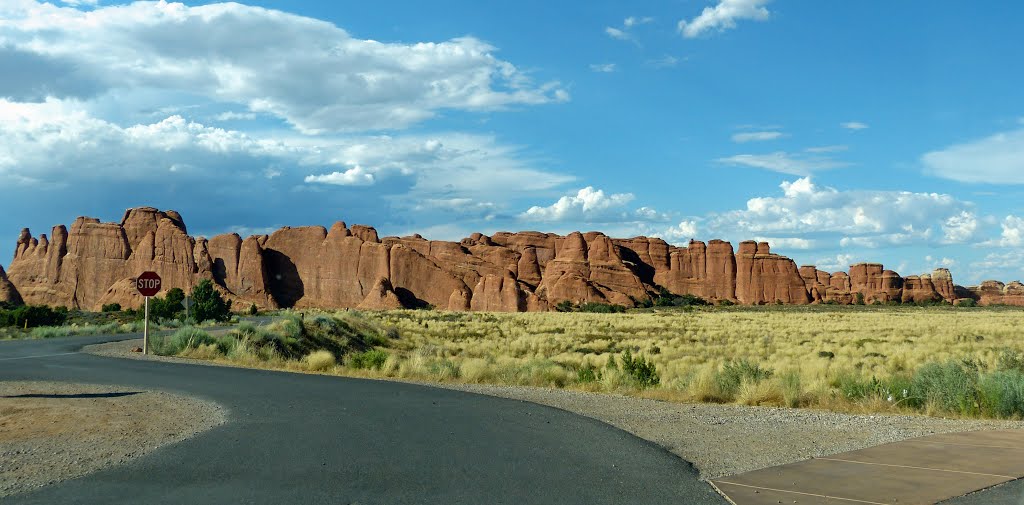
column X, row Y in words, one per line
column 938, row 360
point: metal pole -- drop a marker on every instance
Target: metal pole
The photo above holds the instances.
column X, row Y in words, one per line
column 145, row 330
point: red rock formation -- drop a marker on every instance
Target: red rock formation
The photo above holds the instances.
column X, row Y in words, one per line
column 8, row 293
column 763, row 277
column 381, row 297
column 997, row 293
column 96, row 263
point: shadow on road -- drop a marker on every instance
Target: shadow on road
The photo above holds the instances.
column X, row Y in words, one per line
column 80, row 395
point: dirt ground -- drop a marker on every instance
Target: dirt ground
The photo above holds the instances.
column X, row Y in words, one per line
column 56, row 431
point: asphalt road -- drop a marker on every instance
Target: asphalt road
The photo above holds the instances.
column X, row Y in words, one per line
column 293, row 438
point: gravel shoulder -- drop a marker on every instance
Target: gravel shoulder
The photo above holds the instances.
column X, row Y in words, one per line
column 719, row 440
column 52, row 431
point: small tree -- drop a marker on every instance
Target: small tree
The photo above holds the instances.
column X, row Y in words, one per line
column 207, row 304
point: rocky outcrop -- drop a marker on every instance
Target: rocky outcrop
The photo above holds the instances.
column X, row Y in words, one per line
column 997, row 293
column 8, row 293
column 96, row 263
column 381, row 297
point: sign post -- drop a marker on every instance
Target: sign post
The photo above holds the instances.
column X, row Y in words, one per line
column 148, row 284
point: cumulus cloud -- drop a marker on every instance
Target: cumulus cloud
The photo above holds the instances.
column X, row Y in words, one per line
column 723, row 16
column 960, row 228
column 857, row 218
column 58, row 142
column 588, row 204
column 757, row 136
column 854, row 125
column 602, row 67
column 835, row 263
column 308, row 72
column 1012, row 233
column 788, row 242
column 784, row 162
column 679, row 234
column 997, row 159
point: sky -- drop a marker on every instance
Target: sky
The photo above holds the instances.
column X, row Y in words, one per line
column 840, row 132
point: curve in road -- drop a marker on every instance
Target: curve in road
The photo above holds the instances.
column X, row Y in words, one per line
column 296, row 438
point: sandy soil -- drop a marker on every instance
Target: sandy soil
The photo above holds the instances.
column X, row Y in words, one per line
column 52, row 431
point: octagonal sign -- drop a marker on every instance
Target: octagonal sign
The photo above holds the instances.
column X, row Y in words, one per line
column 148, row 284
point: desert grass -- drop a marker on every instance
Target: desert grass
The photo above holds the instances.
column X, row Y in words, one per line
column 937, row 361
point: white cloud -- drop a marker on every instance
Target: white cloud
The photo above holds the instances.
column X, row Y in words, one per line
column 235, row 116
column 80, row 2
column 723, row 16
column 783, row 162
column 940, row 263
column 861, row 218
column 854, row 125
column 679, row 234
column 616, row 33
column 998, row 159
column 1005, row 266
column 355, row 176
column 827, row 149
column 666, row 61
column 1012, row 234
column 307, row 72
column 588, row 204
column 960, row 228
column 634, row 21
column 788, row 242
column 57, row 142
column 835, row 263
column 757, row 136
column 602, row 67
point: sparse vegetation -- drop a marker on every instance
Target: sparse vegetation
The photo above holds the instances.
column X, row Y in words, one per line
column 935, row 360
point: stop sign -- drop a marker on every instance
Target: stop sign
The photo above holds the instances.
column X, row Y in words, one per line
column 148, row 284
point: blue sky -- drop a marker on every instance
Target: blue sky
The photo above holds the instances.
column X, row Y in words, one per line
column 839, row 131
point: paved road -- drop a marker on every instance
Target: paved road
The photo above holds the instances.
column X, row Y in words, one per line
column 294, row 438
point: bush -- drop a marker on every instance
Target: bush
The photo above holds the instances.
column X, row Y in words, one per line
column 736, row 372
column 948, row 386
column 601, row 308
column 967, row 302
column 373, row 359
column 207, row 304
column 32, row 316
column 253, row 310
column 168, row 307
column 319, row 361
column 111, row 307
column 641, row 370
column 565, row 306
column 1001, row 393
column 185, row 338
column 587, row 374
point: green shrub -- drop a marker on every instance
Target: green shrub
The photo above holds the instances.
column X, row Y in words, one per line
column 253, row 310
column 792, row 390
column 1001, row 393
column 111, row 307
column 587, row 374
column 601, row 308
column 967, row 302
column 565, row 306
column 207, row 304
column 32, row 316
column 736, row 372
column 373, row 359
column 185, row 338
column 641, row 370
column 949, row 386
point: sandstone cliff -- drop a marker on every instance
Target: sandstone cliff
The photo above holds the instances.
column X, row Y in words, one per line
column 95, row 263
column 8, row 294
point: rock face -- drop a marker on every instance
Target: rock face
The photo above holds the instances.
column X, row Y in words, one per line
column 997, row 293
column 96, row 263
column 8, row 294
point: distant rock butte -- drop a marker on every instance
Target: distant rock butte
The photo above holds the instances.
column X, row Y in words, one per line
column 95, row 264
